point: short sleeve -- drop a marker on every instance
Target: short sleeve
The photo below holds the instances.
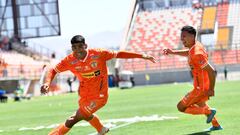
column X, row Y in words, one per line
column 62, row 66
column 108, row 54
column 200, row 61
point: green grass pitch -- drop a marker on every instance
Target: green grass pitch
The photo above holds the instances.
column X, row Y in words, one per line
column 128, row 103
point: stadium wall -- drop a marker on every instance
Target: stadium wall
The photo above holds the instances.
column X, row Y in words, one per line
column 178, row 76
column 162, row 77
column 8, row 85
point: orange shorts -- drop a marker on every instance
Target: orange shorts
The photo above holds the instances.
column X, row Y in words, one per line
column 88, row 107
column 193, row 97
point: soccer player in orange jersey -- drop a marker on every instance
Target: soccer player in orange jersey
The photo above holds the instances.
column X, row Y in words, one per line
column 204, row 76
column 89, row 65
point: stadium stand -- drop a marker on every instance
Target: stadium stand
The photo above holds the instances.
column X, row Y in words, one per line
column 233, row 20
column 157, row 30
column 21, row 65
column 222, row 14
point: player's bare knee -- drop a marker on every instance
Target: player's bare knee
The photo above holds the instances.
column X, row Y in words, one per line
column 70, row 122
column 180, row 107
column 89, row 118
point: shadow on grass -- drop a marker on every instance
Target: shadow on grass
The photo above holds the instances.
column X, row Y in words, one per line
column 201, row 133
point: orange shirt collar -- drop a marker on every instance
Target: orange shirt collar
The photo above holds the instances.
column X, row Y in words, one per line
column 196, row 43
column 84, row 58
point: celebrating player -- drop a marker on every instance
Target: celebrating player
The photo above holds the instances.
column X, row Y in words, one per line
column 89, row 65
column 204, row 77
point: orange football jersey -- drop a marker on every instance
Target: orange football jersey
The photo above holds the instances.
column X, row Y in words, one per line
column 197, row 60
column 92, row 72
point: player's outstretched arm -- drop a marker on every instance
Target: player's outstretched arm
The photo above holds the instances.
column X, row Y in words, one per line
column 127, row 55
column 50, row 76
column 175, row 52
column 212, row 78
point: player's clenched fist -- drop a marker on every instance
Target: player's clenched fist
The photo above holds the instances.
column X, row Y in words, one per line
column 167, row 51
column 44, row 89
column 149, row 57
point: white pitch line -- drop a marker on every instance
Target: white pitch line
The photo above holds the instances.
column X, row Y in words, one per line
column 111, row 123
column 135, row 120
column 116, row 127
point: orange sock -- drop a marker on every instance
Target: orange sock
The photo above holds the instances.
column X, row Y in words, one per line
column 195, row 110
column 95, row 122
column 60, row 130
column 215, row 122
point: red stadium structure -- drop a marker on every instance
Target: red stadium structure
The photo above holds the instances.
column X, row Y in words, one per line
column 154, row 25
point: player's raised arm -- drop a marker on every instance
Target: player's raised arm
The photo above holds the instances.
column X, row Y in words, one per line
column 175, row 52
column 126, row 55
column 50, row 76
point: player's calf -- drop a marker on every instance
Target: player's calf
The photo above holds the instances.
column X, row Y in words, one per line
column 211, row 115
column 60, row 130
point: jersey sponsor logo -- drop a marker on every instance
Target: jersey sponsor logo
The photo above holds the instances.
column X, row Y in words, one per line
column 88, row 75
column 94, row 64
column 97, row 73
column 91, row 74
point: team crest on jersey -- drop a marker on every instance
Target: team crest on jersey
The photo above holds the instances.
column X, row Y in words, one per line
column 73, row 62
column 91, row 74
column 94, row 64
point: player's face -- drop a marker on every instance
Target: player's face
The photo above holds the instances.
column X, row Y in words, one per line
column 79, row 49
column 187, row 39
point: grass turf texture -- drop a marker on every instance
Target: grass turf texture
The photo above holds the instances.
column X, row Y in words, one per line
column 139, row 101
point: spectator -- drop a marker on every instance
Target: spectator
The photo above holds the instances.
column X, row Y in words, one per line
column 21, row 69
column 147, row 78
column 19, row 93
column 3, row 97
column 53, row 56
column 225, row 72
column 5, row 72
column 3, row 68
column 69, row 82
column 132, row 81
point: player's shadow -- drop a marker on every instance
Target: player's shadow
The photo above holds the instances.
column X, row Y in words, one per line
column 201, row 133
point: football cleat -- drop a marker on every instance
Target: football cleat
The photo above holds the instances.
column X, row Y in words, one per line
column 212, row 128
column 103, row 131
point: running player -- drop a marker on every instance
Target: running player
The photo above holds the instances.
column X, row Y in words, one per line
column 89, row 65
column 204, row 76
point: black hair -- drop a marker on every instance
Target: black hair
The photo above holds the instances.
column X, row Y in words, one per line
column 189, row 29
column 78, row 39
